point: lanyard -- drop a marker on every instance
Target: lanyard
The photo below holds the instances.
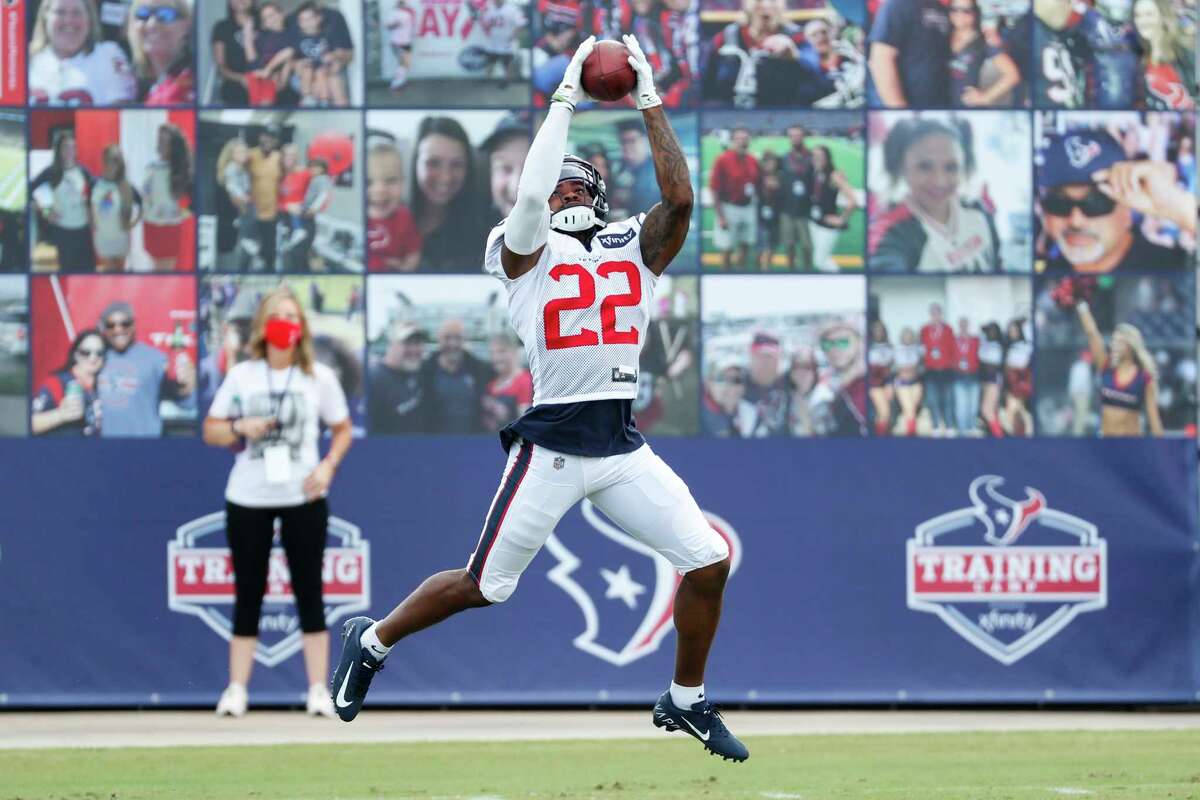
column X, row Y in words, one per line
column 277, row 405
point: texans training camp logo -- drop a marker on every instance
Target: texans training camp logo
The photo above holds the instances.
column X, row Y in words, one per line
column 1007, row 575
column 200, row 582
column 625, row 589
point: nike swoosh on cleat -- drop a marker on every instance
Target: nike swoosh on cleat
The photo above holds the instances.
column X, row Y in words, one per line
column 703, row 736
column 341, row 695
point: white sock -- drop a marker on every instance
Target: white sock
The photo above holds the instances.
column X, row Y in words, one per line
column 685, row 696
column 370, row 640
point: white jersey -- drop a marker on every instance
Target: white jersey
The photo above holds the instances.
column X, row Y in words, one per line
column 500, row 27
column 102, row 77
column 581, row 314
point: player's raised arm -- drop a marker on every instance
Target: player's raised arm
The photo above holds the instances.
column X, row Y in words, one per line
column 528, row 225
column 666, row 225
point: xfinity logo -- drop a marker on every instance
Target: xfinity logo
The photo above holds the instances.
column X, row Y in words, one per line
column 615, row 240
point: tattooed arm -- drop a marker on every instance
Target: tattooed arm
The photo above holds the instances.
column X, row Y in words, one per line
column 666, row 225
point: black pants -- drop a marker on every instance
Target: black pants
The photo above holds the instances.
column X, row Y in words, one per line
column 266, row 242
column 303, row 530
column 75, row 253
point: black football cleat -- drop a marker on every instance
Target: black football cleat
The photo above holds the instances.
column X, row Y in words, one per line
column 356, row 668
column 704, row 722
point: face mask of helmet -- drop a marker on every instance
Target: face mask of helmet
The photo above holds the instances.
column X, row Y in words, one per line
column 581, row 217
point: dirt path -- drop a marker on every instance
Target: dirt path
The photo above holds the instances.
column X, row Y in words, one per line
column 169, row 728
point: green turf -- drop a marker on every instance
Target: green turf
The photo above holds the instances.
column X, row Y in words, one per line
column 983, row 766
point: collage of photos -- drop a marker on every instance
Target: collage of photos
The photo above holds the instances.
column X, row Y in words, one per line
column 913, row 218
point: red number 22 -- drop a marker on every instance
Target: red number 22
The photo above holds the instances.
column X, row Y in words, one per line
column 555, row 340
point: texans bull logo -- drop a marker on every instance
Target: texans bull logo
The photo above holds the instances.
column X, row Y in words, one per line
column 625, row 589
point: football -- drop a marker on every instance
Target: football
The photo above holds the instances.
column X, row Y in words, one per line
column 606, row 73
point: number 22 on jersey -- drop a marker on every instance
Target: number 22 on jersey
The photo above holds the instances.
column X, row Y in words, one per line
column 586, row 298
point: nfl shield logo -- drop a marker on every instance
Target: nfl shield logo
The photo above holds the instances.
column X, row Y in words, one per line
column 200, row 583
column 559, row 462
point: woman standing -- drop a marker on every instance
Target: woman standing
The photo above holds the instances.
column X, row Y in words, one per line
column 933, row 228
column 991, row 377
column 269, row 409
column 443, row 206
column 168, row 182
column 1168, row 56
column 1128, row 385
column 116, row 208
column 68, row 403
column 880, row 358
column 60, row 193
column 829, row 218
column 969, row 53
column 159, row 34
column 238, row 219
column 770, row 200
column 1018, row 380
column 909, row 388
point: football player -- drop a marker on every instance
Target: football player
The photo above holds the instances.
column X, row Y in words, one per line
column 579, row 296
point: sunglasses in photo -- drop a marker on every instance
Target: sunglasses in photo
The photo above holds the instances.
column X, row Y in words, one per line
column 164, row 14
column 85, row 353
column 113, row 324
column 961, row 10
column 1094, row 204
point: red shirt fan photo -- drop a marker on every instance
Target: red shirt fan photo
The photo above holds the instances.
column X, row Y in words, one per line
column 606, row 73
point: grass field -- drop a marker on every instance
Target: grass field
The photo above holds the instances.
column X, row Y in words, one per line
column 966, row 766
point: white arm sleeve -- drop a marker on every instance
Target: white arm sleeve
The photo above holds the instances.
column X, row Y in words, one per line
column 528, row 225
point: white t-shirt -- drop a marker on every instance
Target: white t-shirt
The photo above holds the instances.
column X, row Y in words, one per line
column 161, row 207
column 69, row 199
column 102, row 77
column 109, row 232
column 500, row 26
column 581, row 314
column 306, row 399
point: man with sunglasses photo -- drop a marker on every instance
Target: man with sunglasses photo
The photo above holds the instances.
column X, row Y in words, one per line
column 135, row 377
column 1092, row 199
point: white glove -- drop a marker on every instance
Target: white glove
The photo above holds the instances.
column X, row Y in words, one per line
column 647, row 95
column 570, row 91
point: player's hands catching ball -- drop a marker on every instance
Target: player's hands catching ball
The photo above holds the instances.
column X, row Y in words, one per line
column 646, row 95
column 570, row 90
column 1150, row 187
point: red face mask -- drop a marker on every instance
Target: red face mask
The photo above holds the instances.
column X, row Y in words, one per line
column 282, row 333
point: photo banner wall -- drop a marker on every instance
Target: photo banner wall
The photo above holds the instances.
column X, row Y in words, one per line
column 1046, row 571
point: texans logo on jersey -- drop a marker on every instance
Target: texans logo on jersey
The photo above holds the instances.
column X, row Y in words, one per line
column 625, row 589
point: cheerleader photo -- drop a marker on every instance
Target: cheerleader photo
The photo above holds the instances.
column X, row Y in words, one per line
column 111, row 191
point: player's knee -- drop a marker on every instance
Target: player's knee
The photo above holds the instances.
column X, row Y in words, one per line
column 711, row 578
column 472, row 594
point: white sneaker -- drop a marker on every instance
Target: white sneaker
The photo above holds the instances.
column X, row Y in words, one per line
column 320, row 704
column 400, row 79
column 298, row 236
column 233, row 701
